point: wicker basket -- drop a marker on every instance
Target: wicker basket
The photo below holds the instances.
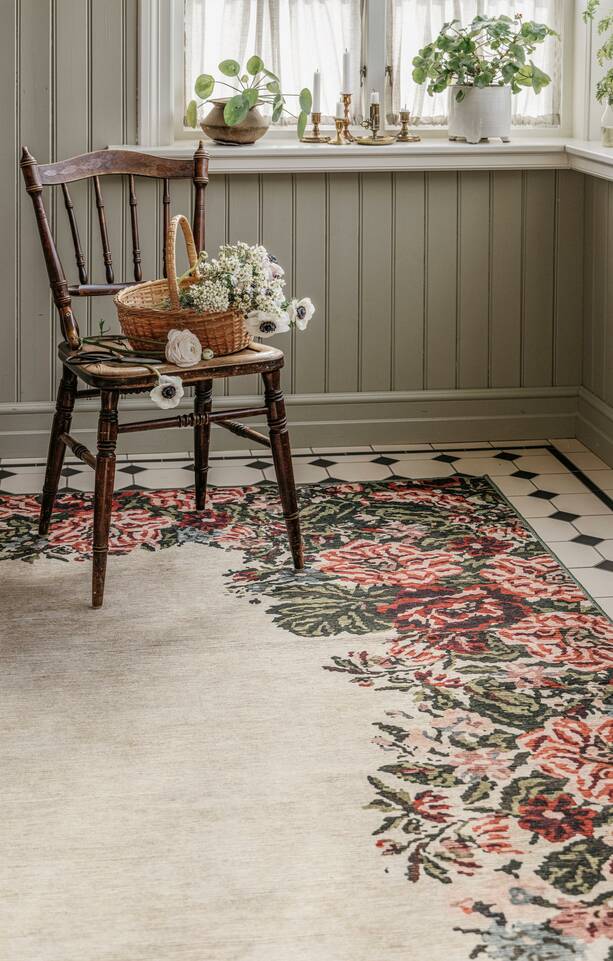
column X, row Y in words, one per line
column 144, row 321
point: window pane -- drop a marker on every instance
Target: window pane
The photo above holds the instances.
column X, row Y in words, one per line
column 293, row 37
column 413, row 23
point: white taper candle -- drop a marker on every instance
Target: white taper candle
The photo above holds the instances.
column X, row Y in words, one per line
column 346, row 72
column 316, row 108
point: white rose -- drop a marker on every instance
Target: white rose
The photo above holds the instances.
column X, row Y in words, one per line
column 183, row 348
column 167, row 392
column 260, row 323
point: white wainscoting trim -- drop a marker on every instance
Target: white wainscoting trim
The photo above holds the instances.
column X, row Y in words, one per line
column 595, row 424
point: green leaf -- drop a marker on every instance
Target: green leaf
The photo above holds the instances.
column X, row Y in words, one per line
column 277, row 110
column 229, row 68
column 435, row 870
column 273, row 86
column 478, row 791
column 302, row 122
column 252, row 96
column 306, row 100
column 323, row 610
column 255, row 65
column 523, row 789
column 438, row 775
column 236, row 110
column 191, row 114
column 204, row 86
column 269, row 73
column 393, row 794
column 578, row 868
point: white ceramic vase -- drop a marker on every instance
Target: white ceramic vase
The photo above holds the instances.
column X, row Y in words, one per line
column 483, row 112
column 606, row 126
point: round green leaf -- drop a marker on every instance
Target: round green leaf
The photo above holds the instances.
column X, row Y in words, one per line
column 252, row 96
column 230, row 68
column 191, row 114
column 204, row 86
column 305, row 99
column 236, row 110
column 273, row 86
column 302, row 122
column 270, row 74
column 255, row 65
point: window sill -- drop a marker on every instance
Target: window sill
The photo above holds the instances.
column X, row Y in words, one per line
column 281, row 156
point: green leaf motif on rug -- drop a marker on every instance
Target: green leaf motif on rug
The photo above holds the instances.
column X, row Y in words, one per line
column 523, row 789
column 432, row 774
column 323, row 610
column 578, row 868
column 512, row 707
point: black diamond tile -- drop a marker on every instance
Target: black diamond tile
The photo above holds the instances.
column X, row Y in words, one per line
column 6, row 473
column 132, row 468
column 321, row 462
column 69, row 472
column 446, row 458
column 504, row 455
column 542, row 495
column 259, row 464
column 384, row 460
column 191, row 467
column 587, row 539
column 524, row 474
column 564, row 516
column 605, row 565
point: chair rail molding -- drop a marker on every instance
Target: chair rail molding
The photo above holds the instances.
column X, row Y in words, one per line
column 159, row 30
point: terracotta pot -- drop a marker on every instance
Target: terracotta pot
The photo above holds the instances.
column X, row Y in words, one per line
column 247, row 131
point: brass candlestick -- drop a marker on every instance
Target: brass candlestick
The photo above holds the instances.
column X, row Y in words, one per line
column 341, row 140
column 347, row 104
column 315, row 137
column 374, row 124
column 405, row 135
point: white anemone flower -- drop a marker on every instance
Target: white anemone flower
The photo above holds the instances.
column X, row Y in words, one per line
column 167, row 392
column 273, row 270
column 303, row 310
column 183, row 348
column 261, row 323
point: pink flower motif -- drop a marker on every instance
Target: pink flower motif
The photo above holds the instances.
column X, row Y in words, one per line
column 491, row 834
column 395, row 564
column 565, row 637
column 487, row 762
column 578, row 750
column 585, row 922
column 533, row 578
column 433, row 807
column 463, row 722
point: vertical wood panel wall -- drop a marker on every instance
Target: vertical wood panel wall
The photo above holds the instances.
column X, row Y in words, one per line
column 422, row 281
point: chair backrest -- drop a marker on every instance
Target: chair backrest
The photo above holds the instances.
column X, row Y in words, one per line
column 93, row 166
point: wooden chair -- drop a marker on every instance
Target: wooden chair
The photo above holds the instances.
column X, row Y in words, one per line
column 108, row 381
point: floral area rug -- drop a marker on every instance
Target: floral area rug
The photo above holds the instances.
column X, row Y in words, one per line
column 407, row 748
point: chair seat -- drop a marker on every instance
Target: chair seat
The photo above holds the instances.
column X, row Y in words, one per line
column 254, row 359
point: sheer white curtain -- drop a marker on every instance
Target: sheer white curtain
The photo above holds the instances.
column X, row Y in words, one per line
column 413, row 23
column 293, row 37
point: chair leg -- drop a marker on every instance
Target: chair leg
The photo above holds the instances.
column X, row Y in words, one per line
column 103, row 498
column 281, row 452
column 55, row 458
column 202, row 438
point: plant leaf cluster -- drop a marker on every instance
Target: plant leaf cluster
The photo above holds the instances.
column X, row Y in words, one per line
column 255, row 85
column 490, row 51
column 604, row 54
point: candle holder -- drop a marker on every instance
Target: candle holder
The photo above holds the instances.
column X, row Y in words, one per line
column 346, row 97
column 340, row 140
column 315, row 137
column 374, row 124
column 405, row 135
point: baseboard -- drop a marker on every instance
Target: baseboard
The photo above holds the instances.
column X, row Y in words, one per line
column 326, row 420
column 595, row 424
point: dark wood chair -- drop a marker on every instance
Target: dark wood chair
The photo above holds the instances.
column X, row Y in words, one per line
column 108, row 382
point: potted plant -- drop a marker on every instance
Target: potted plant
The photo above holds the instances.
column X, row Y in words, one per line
column 484, row 63
column 236, row 119
column 604, row 56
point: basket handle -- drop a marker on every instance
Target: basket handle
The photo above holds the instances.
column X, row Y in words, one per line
column 171, row 255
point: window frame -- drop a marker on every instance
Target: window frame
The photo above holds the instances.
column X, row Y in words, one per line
column 162, row 99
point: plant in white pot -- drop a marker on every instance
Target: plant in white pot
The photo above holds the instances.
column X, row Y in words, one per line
column 604, row 56
column 483, row 63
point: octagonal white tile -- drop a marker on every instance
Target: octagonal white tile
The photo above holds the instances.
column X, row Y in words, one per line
column 484, row 465
column 559, row 483
column 423, row 469
column 597, row 582
column 576, row 555
column 553, row 530
column 580, row 504
column 532, row 506
column 596, row 526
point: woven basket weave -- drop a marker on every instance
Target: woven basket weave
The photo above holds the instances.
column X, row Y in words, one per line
column 143, row 319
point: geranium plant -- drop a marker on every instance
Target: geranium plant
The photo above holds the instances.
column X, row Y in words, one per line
column 604, row 54
column 249, row 279
column 490, row 51
column 256, row 84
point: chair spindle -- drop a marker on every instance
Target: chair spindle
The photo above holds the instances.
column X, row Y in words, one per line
column 76, row 240
column 166, row 208
column 104, row 236
column 138, row 271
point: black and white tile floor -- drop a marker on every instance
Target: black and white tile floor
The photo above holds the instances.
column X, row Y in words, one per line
column 563, row 489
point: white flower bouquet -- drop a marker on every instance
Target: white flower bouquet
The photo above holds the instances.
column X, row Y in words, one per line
column 247, row 279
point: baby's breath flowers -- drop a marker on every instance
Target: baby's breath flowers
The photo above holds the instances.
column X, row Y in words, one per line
column 249, row 279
